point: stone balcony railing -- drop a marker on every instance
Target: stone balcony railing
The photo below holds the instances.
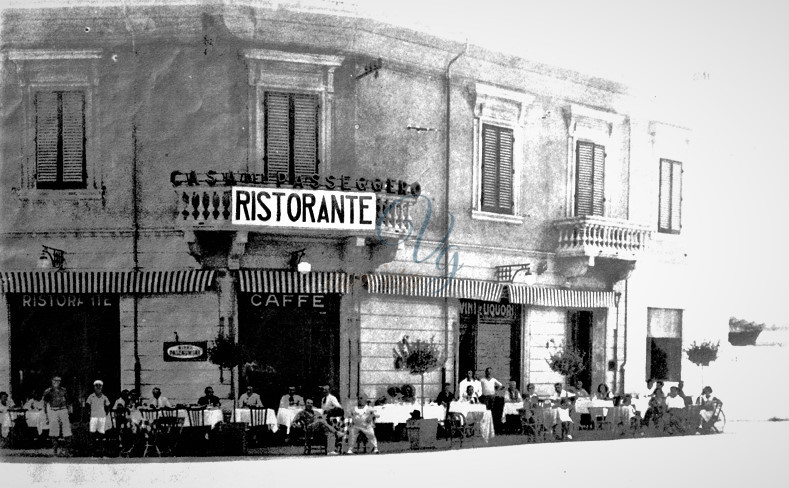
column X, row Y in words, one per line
column 601, row 237
column 208, row 208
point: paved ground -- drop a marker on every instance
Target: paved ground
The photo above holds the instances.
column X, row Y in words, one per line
column 748, row 454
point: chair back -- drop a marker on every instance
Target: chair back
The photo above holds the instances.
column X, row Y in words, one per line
column 16, row 413
column 258, row 416
column 149, row 414
column 168, row 412
column 599, row 413
column 456, row 419
column 196, row 416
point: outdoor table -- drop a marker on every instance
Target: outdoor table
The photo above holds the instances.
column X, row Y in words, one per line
column 476, row 413
column 211, row 417
column 511, row 408
column 621, row 415
column 641, row 404
column 285, row 416
column 243, row 415
column 582, row 405
column 399, row 413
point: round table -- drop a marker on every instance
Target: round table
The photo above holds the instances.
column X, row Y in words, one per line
column 476, row 413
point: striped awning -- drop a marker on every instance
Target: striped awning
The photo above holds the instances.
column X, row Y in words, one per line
column 433, row 286
column 560, row 297
column 173, row 281
column 272, row 281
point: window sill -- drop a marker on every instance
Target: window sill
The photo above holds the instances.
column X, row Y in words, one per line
column 34, row 195
column 494, row 217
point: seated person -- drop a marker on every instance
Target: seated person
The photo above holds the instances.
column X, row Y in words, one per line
column 5, row 420
column 158, row 400
column 408, row 394
column 580, row 392
column 209, row 400
column 688, row 399
column 121, row 404
column 469, row 396
column 708, row 403
column 249, row 398
column 657, row 405
column 330, row 405
column 650, row 389
column 311, row 421
column 134, row 400
column 445, row 397
column 511, row 394
column 392, row 396
column 602, row 393
column 291, row 399
column 558, row 394
column 530, row 399
column 675, row 406
column 362, row 420
column 31, row 403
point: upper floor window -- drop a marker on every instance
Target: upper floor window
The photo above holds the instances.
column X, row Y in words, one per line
column 292, row 122
column 670, row 207
column 589, row 179
column 60, row 139
column 499, row 127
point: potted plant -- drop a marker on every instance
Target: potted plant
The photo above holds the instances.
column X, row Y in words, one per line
column 227, row 353
column 565, row 360
column 419, row 357
column 702, row 354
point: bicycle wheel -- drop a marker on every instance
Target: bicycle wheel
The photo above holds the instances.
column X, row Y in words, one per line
column 720, row 423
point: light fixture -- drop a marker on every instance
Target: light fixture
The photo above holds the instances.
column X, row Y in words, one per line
column 51, row 258
column 295, row 263
column 507, row 273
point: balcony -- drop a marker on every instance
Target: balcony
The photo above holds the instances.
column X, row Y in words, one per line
column 614, row 244
column 205, row 208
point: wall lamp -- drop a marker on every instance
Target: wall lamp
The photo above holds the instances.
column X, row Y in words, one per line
column 509, row 272
column 296, row 264
column 52, row 258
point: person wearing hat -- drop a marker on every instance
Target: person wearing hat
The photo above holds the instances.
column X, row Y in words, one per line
column 99, row 406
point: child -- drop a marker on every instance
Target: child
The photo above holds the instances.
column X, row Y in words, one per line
column 362, row 417
column 565, row 419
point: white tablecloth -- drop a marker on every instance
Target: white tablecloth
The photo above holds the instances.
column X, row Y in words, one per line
column 399, row 413
column 37, row 419
column 285, row 416
column 211, row 417
column 641, row 404
column 582, row 404
column 243, row 415
column 511, row 408
column 476, row 413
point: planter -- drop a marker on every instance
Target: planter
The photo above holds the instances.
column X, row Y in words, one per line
column 422, row 433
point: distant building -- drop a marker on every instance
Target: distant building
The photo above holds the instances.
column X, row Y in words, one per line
column 191, row 160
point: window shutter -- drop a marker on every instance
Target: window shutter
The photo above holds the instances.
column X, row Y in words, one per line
column 305, row 134
column 664, row 217
column 46, row 138
column 276, row 107
column 584, row 178
column 676, row 197
column 489, row 169
column 598, row 190
column 505, row 171
column 73, row 123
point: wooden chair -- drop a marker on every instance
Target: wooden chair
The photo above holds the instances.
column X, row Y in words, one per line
column 600, row 417
column 167, row 433
column 258, row 423
column 315, row 439
column 456, row 426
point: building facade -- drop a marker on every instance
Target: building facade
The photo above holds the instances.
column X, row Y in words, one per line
column 317, row 187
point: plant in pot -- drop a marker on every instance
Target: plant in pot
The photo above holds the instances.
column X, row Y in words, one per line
column 228, row 354
column 419, row 357
column 565, row 360
column 702, row 354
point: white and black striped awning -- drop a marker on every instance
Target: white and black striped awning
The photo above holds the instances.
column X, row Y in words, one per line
column 560, row 297
column 273, row 281
column 122, row 282
column 433, row 286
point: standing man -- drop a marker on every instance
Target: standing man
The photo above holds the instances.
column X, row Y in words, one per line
column 330, row 405
column 470, row 380
column 489, row 386
column 99, row 405
column 57, row 409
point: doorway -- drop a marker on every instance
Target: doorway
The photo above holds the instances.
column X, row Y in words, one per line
column 580, row 337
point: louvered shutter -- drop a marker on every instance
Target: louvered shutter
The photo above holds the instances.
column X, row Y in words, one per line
column 276, row 108
column 73, row 123
column 664, row 211
column 598, row 187
column 676, row 197
column 505, row 171
column 305, row 134
column 46, row 139
column 490, row 168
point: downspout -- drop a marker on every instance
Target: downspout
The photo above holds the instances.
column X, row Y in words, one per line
column 447, row 125
column 135, row 253
column 624, row 339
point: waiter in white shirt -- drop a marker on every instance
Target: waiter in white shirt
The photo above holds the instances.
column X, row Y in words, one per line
column 490, row 386
column 330, row 405
column 470, row 380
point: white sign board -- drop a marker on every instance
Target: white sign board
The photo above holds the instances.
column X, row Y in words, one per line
column 305, row 209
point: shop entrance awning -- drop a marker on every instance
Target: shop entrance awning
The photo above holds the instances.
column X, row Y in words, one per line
column 560, row 297
column 122, row 282
column 278, row 281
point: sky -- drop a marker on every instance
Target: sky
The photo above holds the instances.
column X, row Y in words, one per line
column 720, row 65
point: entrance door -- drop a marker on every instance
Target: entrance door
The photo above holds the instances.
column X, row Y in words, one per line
column 295, row 339
column 74, row 336
column 489, row 338
column 581, row 338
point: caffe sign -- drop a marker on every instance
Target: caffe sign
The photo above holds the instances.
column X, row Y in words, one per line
column 185, row 351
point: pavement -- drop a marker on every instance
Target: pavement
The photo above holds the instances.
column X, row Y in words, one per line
column 747, row 454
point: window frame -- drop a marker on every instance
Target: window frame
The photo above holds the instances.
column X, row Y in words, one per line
column 673, row 364
column 505, row 109
column 671, row 229
column 279, row 71
column 60, row 183
column 292, row 164
column 595, row 147
column 497, row 208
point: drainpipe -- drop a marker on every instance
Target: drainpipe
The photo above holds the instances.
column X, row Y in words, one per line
column 135, row 253
column 448, row 127
column 624, row 339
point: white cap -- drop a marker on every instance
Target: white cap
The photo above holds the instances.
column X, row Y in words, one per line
column 98, row 382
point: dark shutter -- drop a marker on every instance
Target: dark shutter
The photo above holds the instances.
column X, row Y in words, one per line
column 60, row 139
column 291, row 121
column 670, row 198
column 47, row 138
column 589, row 179
column 497, row 169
